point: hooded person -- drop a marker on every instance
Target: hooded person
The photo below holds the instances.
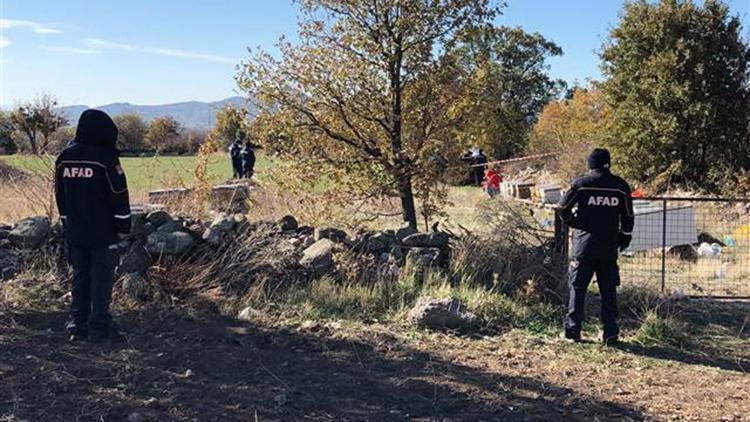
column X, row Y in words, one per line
column 248, row 160
column 599, row 208
column 92, row 198
column 235, row 154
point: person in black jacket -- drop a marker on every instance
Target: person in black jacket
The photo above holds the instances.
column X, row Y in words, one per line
column 235, row 153
column 248, row 160
column 480, row 167
column 600, row 209
column 92, row 199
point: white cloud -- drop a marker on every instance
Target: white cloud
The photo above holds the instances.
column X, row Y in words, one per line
column 99, row 44
column 4, row 42
column 37, row 27
column 106, row 45
column 190, row 55
column 71, row 50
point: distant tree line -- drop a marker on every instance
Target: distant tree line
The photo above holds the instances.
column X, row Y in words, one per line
column 39, row 127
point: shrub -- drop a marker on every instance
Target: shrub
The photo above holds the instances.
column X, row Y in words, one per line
column 657, row 329
column 511, row 253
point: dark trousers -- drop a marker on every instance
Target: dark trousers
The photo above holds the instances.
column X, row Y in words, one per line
column 248, row 169
column 236, row 168
column 608, row 278
column 93, row 276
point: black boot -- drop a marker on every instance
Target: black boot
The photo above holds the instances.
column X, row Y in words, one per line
column 610, row 339
column 76, row 330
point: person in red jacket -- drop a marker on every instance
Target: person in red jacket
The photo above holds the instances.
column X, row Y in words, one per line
column 492, row 179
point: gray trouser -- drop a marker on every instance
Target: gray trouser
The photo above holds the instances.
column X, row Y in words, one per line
column 93, row 276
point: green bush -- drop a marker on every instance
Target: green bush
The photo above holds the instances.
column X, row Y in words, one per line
column 661, row 330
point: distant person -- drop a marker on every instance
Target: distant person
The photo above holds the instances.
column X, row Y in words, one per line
column 235, row 154
column 468, row 158
column 248, row 160
column 492, row 180
column 600, row 209
column 480, row 166
column 92, row 199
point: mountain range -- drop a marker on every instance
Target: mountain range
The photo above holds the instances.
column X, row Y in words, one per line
column 190, row 114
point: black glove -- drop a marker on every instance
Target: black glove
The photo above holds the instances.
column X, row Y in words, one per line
column 624, row 241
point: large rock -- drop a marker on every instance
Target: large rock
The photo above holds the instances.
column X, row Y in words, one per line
column 136, row 260
column 213, row 237
column 134, row 286
column 171, row 226
column 440, row 314
column 381, row 242
column 196, row 230
column 288, row 223
column 318, row 258
column 427, row 240
column 157, row 218
column 30, row 233
column 168, row 243
column 223, row 222
column 140, row 226
column 424, row 257
column 9, row 264
column 333, row 234
column 230, row 198
column 405, row 231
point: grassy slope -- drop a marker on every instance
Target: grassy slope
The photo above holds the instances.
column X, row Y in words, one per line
column 147, row 172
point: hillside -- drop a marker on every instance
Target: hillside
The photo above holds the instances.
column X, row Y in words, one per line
column 190, row 114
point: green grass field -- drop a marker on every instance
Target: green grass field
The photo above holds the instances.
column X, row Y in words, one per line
column 147, row 173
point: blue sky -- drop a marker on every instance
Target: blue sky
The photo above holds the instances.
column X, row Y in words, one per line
column 96, row 52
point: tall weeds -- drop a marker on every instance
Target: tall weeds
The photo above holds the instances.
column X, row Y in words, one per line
column 510, row 251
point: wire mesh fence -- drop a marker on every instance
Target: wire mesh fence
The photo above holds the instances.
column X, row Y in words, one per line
column 690, row 246
column 693, row 246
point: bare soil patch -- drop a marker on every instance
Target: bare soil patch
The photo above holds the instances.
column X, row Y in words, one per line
column 176, row 367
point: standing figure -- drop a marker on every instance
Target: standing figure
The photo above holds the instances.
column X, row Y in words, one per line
column 600, row 209
column 92, row 198
column 248, row 160
column 480, row 166
column 492, row 181
column 235, row 152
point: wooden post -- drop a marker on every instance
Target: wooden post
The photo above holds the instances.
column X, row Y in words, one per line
column 561, row 252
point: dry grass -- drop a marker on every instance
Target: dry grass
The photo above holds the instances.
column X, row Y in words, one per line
column 509, row 251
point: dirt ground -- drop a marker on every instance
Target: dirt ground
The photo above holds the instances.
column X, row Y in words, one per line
column 175, row 367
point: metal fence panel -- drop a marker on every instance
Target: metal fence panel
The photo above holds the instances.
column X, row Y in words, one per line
column 704, row 247
column 691, row 246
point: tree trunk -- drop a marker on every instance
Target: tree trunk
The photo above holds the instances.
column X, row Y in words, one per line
column 32, row 141
column 408, row 210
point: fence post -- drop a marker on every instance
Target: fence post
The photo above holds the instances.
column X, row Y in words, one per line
column 560, row 251
column 664, row 246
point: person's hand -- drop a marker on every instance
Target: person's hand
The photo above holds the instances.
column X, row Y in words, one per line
column 624, row 241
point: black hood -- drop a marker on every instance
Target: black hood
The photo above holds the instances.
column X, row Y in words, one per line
column 96, row 128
